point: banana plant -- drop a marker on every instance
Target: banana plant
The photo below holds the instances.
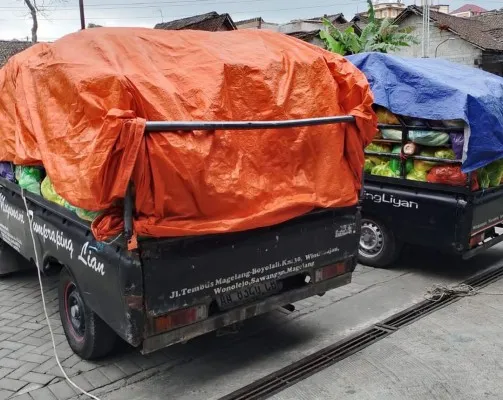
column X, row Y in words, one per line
column 379, row 35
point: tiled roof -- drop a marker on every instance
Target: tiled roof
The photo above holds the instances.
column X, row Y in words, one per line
column 211, row 21
column 305, row 36
column 469, row 7
column 333, row 18
column 247, row 21
column 361, row 20
column 309, row 36
column 473, row 30
column 10, row 47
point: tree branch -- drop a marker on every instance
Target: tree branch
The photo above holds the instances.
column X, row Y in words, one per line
column 34, row 27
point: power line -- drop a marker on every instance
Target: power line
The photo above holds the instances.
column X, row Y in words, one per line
column 330, row 5
column 178, row 3
column 136, row 5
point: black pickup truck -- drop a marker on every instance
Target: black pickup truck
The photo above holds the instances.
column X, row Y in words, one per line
column 170, row 290
column 452, row 219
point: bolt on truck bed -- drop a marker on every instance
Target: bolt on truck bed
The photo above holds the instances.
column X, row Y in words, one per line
column 172, row 289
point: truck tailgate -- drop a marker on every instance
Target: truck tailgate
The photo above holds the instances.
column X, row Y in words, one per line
column 183, row 272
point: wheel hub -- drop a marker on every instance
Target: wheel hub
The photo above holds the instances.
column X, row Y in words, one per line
column 76, row 312
column 371, row 240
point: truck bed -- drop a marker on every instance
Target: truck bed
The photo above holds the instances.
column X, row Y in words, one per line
column 227, row 277
column 444, row 217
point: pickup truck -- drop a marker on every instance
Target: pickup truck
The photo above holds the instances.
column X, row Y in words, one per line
column 170, row 290
column 455, row 220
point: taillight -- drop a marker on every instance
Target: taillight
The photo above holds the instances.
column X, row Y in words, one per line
column 330, row 271
column 475, row 240
column 179, row 318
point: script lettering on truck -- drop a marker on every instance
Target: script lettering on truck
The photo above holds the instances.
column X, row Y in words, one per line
column 58, row 238
column 391, row 199
column 10, row 211
column 87, row 258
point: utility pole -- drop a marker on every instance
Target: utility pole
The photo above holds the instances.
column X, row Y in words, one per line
column 82, row 17
column 426, row 28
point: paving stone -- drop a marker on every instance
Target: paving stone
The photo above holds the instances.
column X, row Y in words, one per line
column 43, row 394
column 82, row 383
column 11, row 384
column 96, row 378
column 5, row 394
column 112, row 372
column 5, row 371
column 34, row 341
column 11, row 316
column 11, row 363
column 18, row 353
column 84, row 366
column 32, row 326
column 5, row 353
column 36, row 358
column 24, row 396
column 22, row 370
column 35, row 377
column 46, row 366
column 71, row 361
column 128, row 366
column 29, row 388
column 62, row 390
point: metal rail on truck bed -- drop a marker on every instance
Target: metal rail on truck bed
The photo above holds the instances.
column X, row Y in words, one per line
column 188, row 126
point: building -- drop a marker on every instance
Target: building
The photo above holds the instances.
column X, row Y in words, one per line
column 211, row 21
column 388, row 9
column 468, row 11
column 477, row 41
column 10, row 47
column 257, row 23
column 296, row 26
column 391, row 9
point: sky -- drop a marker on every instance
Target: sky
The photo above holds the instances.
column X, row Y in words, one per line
column 62, row 16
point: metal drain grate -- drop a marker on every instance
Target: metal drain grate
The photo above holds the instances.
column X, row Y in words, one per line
column 302, row 369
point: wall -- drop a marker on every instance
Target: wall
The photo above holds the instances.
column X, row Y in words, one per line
column 255, row 25
column 456, row 50
column 300, row 26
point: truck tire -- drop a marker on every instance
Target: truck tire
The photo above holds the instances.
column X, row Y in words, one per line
column 87, row 334
column 378, row 246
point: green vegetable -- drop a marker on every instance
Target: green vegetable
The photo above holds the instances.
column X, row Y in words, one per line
column 491, row 174
column 420, row 165
column 447, row 154
column 29, row 178
column 394, row 163
column 429, row 138
column 383, row 170
column 379, row 148
column 391, row 134
column 377, row 160
column 415, row 175
column 368, row 165
column 49, row 193
column 483, row 178
column 87, row 215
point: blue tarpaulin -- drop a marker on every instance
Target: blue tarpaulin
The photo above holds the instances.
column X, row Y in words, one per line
column 436, row 89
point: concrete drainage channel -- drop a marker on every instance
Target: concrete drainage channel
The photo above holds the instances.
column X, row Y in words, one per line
column 302, row 369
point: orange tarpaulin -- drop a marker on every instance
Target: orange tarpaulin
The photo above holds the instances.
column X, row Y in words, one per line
column 81, row 104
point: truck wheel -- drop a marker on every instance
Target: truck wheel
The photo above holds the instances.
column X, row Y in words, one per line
column 378, row 246
column 87, row 334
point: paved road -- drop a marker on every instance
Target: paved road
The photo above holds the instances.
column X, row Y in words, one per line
column 455, row 353
column 375, row 294
column 210, row 366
